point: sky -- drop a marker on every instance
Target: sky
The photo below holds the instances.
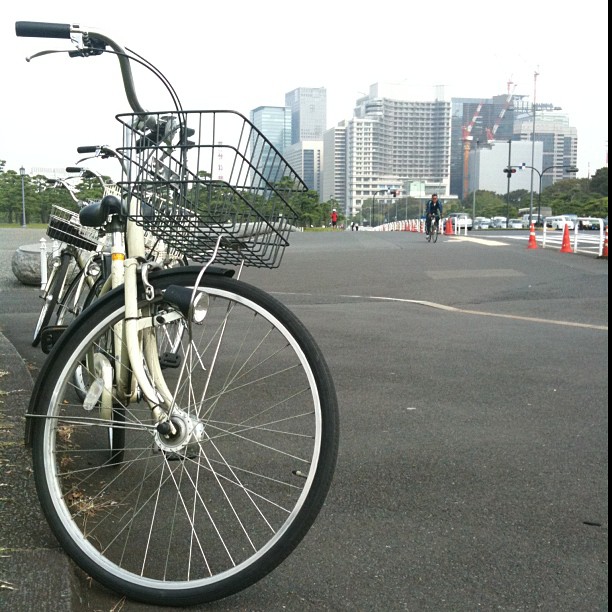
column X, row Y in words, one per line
column 240, row 55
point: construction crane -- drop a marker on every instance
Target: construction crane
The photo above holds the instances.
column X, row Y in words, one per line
column 505, row 106
column 467, row 145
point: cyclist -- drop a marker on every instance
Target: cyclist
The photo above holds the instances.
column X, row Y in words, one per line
column 432, row 209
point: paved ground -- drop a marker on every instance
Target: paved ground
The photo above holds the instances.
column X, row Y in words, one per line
column 473, row 468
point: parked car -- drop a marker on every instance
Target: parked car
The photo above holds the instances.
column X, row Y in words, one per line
column 460, row 220
column 515, row 224
column 559, row 222
column 498, row 222
column 481, row 223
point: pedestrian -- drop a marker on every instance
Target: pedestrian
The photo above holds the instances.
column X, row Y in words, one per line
column 352, row 226
column 334, row 219
column 356, row 227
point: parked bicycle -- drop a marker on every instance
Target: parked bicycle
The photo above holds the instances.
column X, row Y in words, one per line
column 76, row 274
column 206, row 442
column 80, row 257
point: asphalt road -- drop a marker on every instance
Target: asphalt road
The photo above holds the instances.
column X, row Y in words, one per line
column 472, row 377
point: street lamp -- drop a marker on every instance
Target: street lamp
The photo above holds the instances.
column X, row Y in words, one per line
column 509, row 173
column 533, row 129
column 374, row 203
column 568, row 168
column 23, row 217
column 474, row 181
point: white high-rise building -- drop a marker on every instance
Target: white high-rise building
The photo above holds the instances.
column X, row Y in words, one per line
column 306, row 158
column 559, row 141
column 394, row 141
column 334, row 165
column 308, row 107
column 487, row 166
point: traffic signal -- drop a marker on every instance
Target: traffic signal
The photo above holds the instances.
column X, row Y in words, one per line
column 509, row 172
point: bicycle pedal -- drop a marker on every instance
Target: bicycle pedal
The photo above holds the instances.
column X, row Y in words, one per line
column 49, row 336
column 169, row 360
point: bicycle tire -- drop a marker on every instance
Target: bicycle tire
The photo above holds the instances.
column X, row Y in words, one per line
column 51, row 298
column 66, row 311
column 234, row 503
column 434, row 234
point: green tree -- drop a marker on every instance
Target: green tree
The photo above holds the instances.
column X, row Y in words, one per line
column 599, row 182
column 10, row 196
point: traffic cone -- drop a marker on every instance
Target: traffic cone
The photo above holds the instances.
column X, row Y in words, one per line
column 566, row 247
column 532, row 244
column 604, row 252
column 449, row 226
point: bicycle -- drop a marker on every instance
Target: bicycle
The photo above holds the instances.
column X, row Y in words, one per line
column 76, row 266
column 225, row 406
column 80, row 266
column 434, row 228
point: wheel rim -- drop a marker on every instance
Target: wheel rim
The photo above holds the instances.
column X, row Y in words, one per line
column 237, row 513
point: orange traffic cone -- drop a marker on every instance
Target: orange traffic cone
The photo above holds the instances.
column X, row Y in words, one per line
column 566, row 247
column 604, row 252
column 532, row 244
column 449, row 226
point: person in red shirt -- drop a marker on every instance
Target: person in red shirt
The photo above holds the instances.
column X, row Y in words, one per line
column 334, row 219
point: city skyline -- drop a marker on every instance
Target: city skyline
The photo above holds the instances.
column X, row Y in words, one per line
column 51, row 107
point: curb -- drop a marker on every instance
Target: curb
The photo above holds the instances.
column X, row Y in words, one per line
column 35, row 574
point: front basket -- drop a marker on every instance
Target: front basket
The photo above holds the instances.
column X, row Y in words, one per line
column 197, row 177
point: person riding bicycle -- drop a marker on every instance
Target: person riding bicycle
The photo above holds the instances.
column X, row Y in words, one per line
column 432, row 209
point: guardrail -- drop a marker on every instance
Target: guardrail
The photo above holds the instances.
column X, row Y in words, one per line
column 582, row 240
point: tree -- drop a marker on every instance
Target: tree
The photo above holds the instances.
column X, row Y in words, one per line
column 599, row 182
column 10, row 196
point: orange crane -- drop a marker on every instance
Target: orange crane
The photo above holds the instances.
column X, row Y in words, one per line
column 506, row 105
column 467, row 145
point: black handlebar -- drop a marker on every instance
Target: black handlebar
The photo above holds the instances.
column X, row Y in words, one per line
column 91, row 149
column 39, row 29
column 92, row 43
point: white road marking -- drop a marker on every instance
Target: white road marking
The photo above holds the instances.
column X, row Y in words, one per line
column 490, row 314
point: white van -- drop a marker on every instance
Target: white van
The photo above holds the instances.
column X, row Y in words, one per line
column 560, row 221
column 534, row 219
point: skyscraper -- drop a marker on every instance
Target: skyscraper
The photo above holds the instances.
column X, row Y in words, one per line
column 308, row 113
column 394, row 142
column 274, row 122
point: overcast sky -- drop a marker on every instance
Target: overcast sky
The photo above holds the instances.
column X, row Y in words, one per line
column 240, row 55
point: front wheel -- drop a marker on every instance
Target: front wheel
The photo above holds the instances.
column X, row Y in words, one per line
column 195, row 515
column 434, row 232
column 53, row 293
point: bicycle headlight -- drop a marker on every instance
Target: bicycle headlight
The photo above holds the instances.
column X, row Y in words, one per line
column 181, row 298
column 94, row 270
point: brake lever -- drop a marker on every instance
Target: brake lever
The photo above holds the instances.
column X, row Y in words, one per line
column 88, row 46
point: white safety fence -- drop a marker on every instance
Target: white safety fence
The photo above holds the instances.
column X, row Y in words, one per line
column 588, row 236
column 581, row 240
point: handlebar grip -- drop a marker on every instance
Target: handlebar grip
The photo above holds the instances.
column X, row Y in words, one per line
column 74, row 169
column 40, row 29
column 91, row 149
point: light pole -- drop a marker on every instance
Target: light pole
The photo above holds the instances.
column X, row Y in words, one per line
column 568, row 168
column 23, row 217
column 374, row 204
column 533, row 128
column 474, row 182
column 509, row 173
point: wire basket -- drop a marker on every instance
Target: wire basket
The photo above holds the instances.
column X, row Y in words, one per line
column 64, row 226
column 200, row 177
